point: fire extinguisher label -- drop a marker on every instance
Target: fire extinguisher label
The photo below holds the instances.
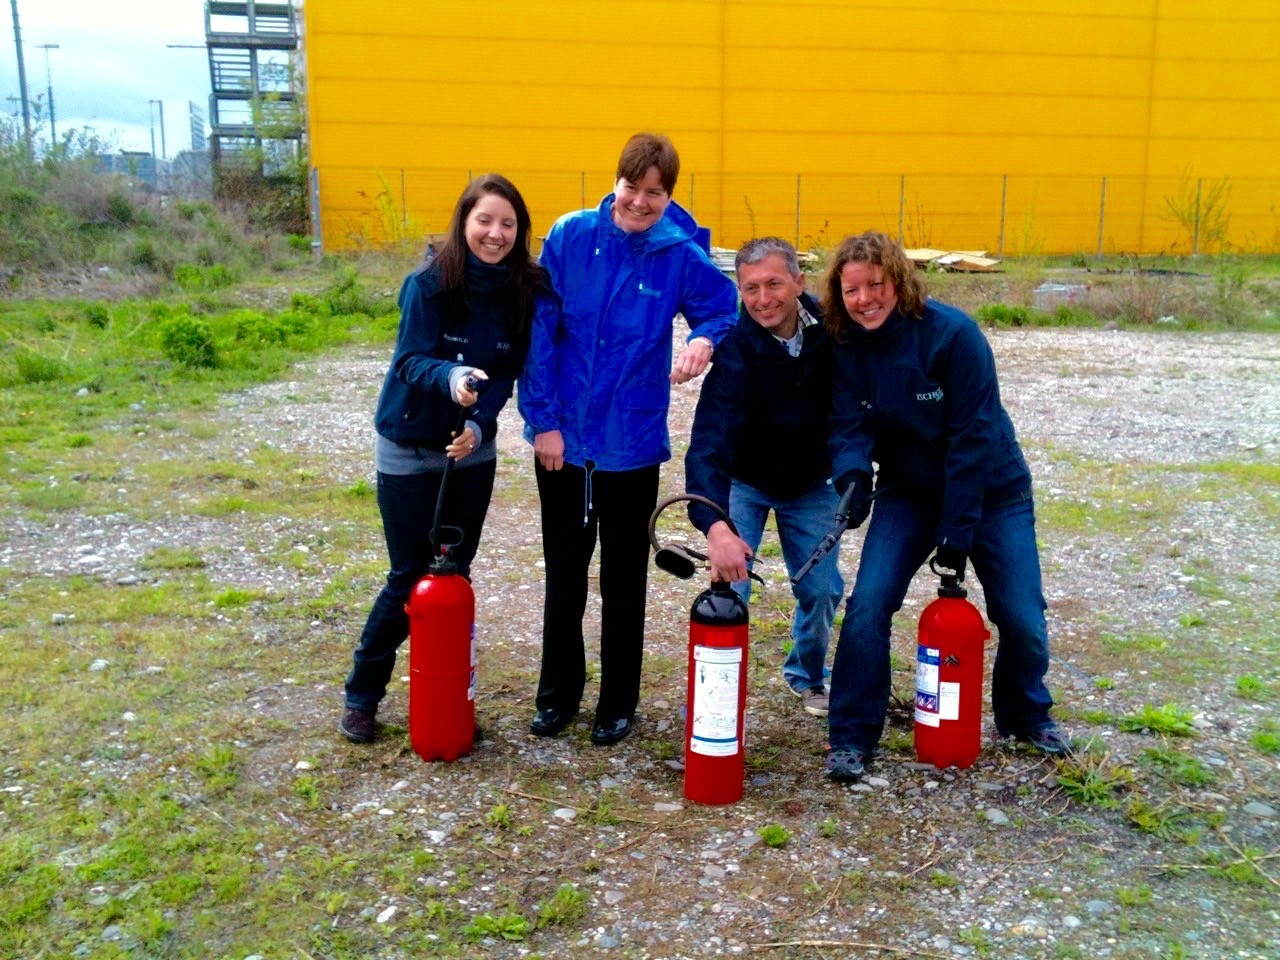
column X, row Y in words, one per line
column 715, row 701
column 927, row 659
column 471, row 685
column 948, row 701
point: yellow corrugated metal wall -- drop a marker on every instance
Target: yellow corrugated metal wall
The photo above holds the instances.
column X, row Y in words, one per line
column 1025, row 126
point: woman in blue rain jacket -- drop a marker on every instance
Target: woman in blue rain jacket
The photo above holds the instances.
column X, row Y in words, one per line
column 594, row 396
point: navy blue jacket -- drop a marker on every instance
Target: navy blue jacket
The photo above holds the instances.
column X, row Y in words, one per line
column 762, row 417
column 921, row 399
column 416, row 408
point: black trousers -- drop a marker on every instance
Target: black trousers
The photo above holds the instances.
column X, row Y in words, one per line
column 578, row 504
column 408, row 505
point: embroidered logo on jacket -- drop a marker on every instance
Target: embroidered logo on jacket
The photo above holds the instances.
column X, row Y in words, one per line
column 931, row 395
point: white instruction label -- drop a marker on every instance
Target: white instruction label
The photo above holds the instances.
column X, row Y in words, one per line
column 715, row 700
column 949, row 701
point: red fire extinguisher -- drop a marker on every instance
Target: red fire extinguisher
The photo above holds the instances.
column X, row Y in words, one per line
column 442, row 663
column 716, row 708
column 948, row 727
column 442, row 641
column 714, row 743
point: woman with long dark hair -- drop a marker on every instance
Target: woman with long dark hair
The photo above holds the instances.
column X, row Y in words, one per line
column 466, row 312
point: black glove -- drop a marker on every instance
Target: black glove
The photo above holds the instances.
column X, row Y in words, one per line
column 949, row 558
column 860, row 502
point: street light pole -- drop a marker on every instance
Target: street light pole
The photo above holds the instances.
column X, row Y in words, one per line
column 48, row 75
column 22, row 77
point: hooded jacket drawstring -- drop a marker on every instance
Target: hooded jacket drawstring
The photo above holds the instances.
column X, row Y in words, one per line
column 587, row 504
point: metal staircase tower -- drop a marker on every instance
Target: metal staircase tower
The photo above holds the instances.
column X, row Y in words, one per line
column 254, row 114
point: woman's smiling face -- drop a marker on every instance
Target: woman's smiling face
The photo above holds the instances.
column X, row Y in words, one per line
column 868, row 295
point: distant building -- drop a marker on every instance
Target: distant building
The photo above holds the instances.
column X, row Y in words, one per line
column 139, row 165
column 191, row 175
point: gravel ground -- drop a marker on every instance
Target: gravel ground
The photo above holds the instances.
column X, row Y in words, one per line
column 989, row 861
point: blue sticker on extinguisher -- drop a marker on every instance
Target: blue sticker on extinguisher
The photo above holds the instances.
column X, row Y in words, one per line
column 927, row 661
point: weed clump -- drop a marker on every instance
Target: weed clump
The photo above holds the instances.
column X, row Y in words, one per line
column 188, row 341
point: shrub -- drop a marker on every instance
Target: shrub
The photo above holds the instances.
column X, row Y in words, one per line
column 1003, row 315
column 37, row 368
column 190, row 276
column 97, row 316
column 188, row 341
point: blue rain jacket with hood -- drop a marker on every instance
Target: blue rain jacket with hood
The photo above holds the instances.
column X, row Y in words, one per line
column 600, row 354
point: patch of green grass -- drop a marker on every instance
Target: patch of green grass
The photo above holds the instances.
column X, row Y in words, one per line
column 1251, row 687
column 508, row 926
column 1266, row 741
column 499, row 817
column 977, row 938
column 1093, row 780
column 943, row 880
column 173, row 558
column 774, row 835
column 1133, row 896
column 219, row 767
column 567, row 906
column 1163, row 820
column 1180, row 768
column 1170, row 719
column 237, row 597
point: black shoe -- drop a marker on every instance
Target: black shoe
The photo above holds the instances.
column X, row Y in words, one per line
column 846, row 764
column 606, row 732
column 357, row 725
column 1048, row 740
column 549, row 722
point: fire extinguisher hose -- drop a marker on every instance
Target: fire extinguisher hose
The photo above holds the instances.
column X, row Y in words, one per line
column 834, row 533
column 677, row 559
column 475, row 385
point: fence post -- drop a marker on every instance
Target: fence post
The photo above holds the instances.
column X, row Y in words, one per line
column 1004, row 199
column 404, row 204
column 1195, row 239
column 317, row 236
column 902, row 207
column 797, row 211
column 1102, row 215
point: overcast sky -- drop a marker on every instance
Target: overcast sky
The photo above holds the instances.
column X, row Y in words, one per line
column 112, row 59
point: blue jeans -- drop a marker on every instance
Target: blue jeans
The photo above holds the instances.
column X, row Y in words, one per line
column 1004, row 558
column 801, row 523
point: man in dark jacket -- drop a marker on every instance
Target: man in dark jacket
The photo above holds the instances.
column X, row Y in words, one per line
column 759, row 443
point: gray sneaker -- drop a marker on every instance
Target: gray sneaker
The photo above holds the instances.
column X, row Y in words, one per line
column 816, row 700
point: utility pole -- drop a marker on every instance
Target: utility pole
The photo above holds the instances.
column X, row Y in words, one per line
column 48, row 75
column 22, row 77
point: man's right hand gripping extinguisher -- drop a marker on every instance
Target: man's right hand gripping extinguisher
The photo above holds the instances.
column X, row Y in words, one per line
column 948, row 728
column 442, row 641
column 716, row 708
